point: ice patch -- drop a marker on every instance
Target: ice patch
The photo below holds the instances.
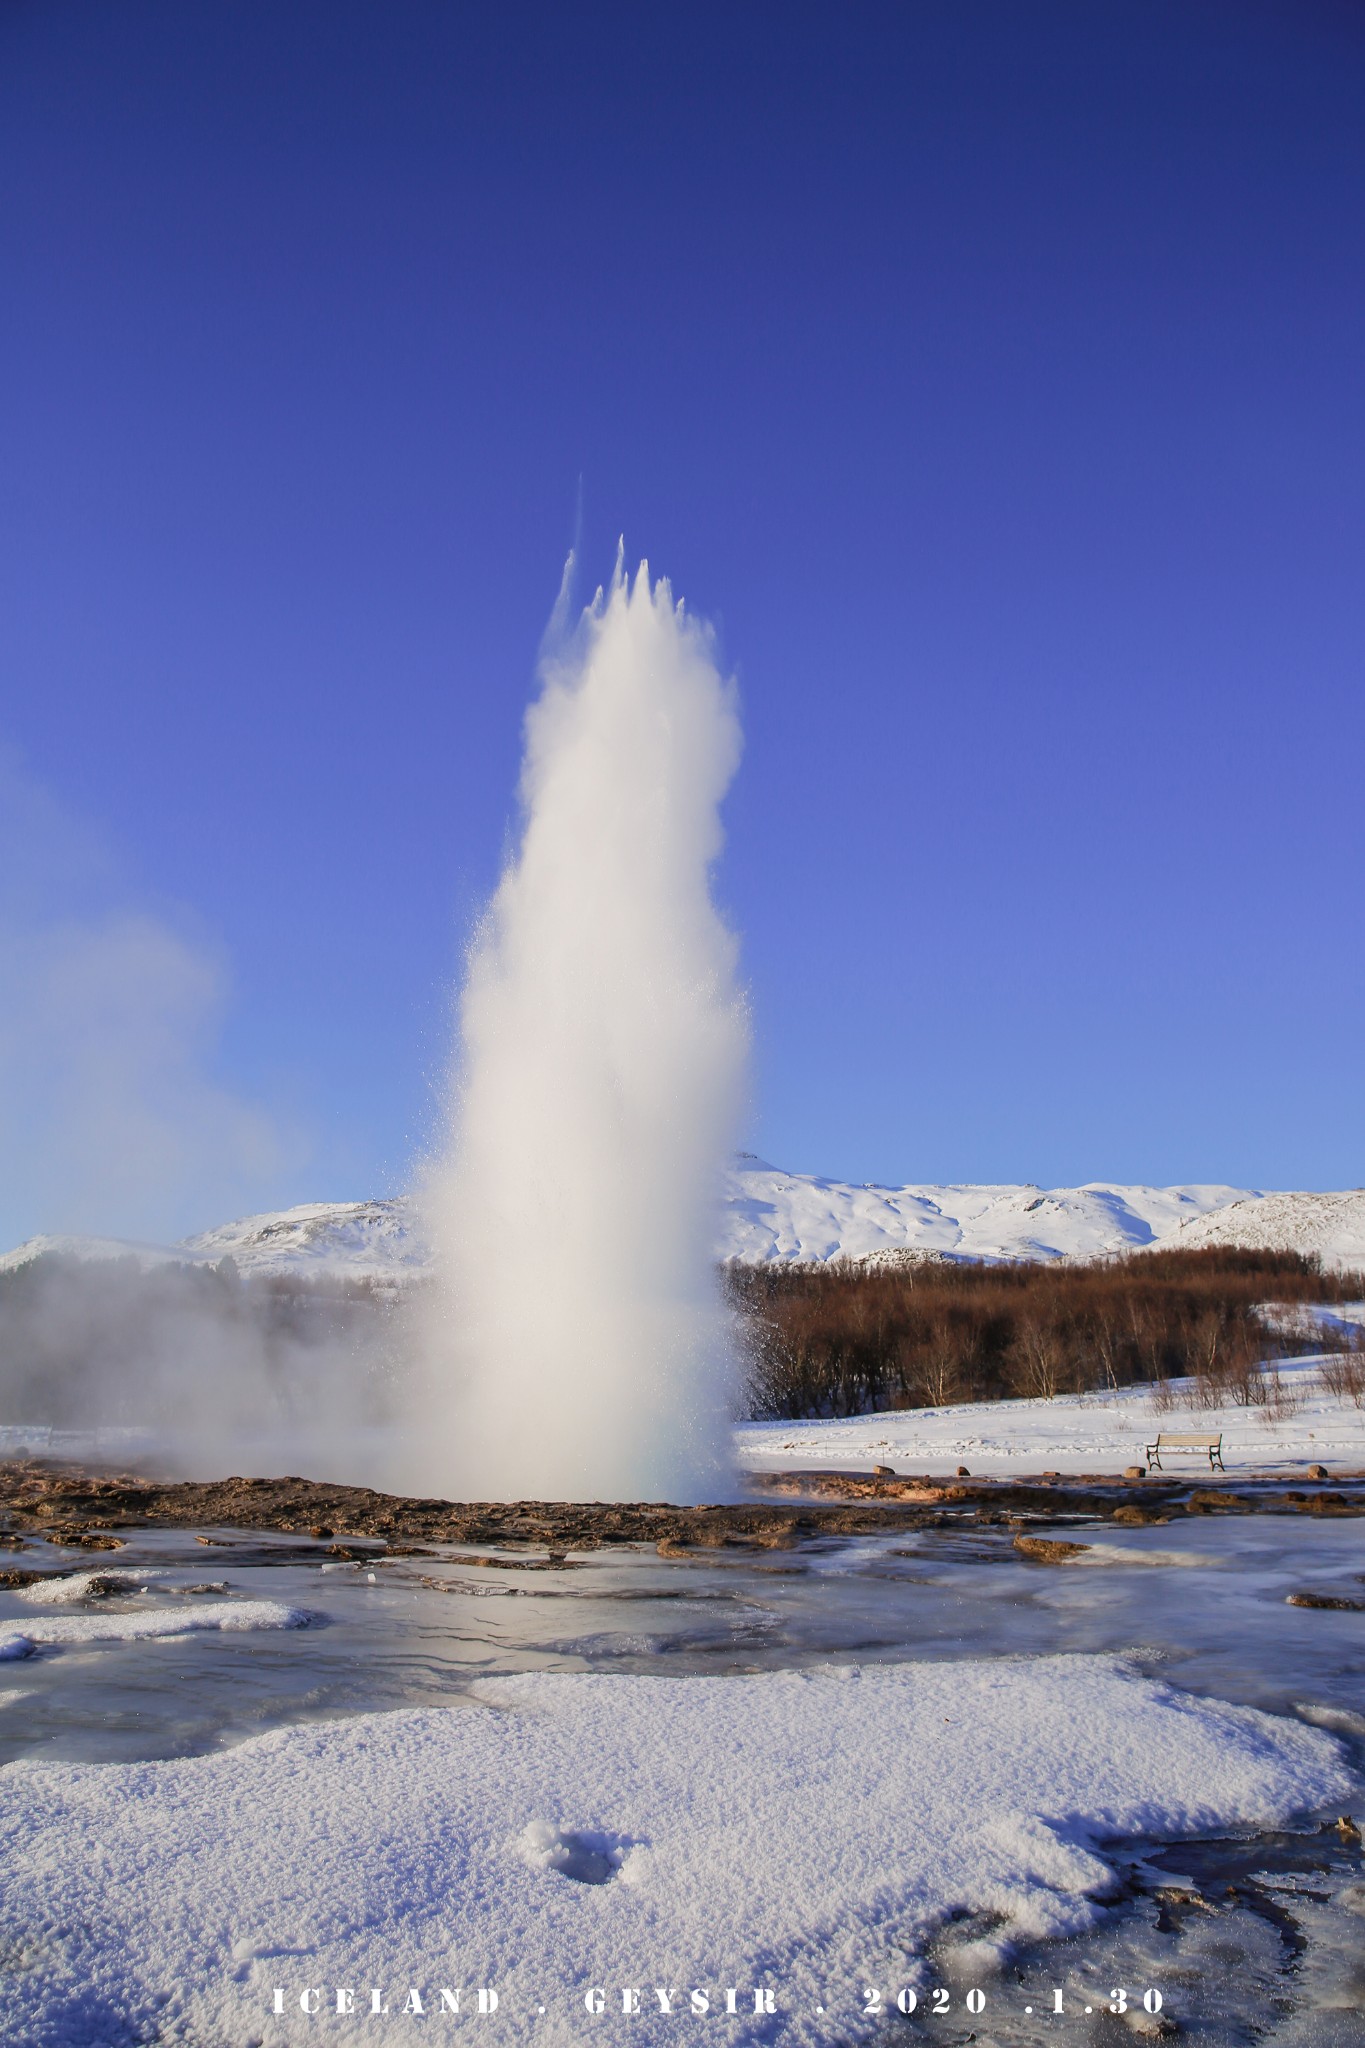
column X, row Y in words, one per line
column 1124, row 1553
column 65, row 1591
column 1340, row 1719
column 122, row 1627
column 802, row 1830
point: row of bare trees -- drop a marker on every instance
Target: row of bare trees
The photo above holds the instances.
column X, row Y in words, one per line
column 846, row 1339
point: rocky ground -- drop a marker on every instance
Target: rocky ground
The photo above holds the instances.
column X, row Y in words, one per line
column 75, row 1506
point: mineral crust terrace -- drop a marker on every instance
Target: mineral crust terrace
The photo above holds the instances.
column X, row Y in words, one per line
column 67, row 1504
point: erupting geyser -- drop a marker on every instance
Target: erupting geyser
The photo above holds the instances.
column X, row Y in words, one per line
column 577, row 1346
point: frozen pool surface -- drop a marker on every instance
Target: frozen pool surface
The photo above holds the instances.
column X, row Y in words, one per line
column 1206, row 1601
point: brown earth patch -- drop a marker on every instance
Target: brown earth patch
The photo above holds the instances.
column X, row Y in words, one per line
column 65, row 1504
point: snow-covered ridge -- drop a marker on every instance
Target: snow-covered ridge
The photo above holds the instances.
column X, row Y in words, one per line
column 768, row 1214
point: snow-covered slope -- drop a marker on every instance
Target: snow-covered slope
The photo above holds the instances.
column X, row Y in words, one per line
column 365, row 1240
column 1331, row 1225
column 768, row 1214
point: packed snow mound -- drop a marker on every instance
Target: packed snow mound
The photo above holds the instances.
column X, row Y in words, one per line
column 803, row 1831
column 798, row 1218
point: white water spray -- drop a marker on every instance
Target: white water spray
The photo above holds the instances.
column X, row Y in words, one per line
column 578, row 1348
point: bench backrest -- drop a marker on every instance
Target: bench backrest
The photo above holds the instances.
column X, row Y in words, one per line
column 1192, row 1442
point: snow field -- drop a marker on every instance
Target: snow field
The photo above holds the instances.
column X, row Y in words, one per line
column 1071, row 1434
column 802, row 1831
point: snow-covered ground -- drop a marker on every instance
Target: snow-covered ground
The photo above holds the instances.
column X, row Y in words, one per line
column 799, row 1833
column 770, row 1214
column 1072, row 1433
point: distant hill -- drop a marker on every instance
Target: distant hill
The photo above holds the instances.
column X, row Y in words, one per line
column 768, row 1214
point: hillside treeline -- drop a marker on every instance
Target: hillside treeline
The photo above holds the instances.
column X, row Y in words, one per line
column 848, row 1339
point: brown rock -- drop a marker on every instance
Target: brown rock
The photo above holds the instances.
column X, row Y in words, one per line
column 1135, row 1471
column 1317, row 1471
column 963, row 1473
column 1331, row 1600
column 107, row 1588
column 1046, row 1550
column 883, row 1471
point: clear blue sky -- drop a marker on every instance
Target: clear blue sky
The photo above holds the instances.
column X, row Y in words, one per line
column 992, row 375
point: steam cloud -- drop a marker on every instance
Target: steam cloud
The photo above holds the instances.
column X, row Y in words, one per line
column 111, row 1119
column 575, row 1343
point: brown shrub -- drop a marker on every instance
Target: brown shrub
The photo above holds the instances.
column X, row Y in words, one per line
column 846, row 1339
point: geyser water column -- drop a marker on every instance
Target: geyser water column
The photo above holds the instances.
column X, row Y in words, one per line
column 577, row 1344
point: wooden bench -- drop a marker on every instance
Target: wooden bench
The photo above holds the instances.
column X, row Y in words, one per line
column 1183, row 1441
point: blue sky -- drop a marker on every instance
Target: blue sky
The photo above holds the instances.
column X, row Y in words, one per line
column 990, row 375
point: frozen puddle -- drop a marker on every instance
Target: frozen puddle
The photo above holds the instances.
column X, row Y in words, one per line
column 804, row 1832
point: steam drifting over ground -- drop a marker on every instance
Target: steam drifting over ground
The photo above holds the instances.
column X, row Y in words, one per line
column 603, row 1045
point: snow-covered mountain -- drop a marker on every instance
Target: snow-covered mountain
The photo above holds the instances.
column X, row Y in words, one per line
column 794, row 1216
column 355, row 1240
column 768, row 1214
column 365, row 1240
